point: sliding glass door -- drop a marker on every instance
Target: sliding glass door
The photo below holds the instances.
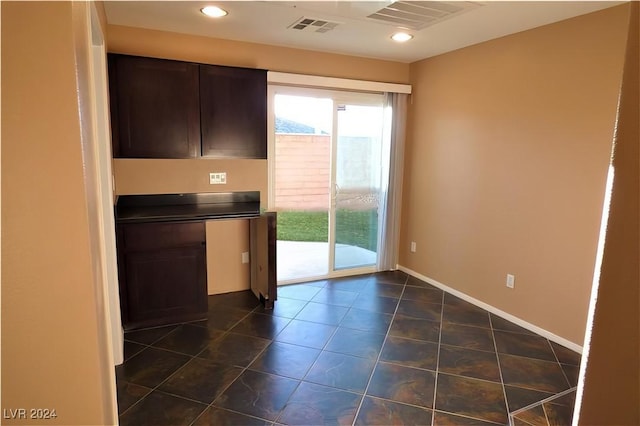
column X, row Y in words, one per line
column 356, row 189
column 300, row 161
column 325, row 172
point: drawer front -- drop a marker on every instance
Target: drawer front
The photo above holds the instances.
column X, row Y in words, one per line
column 154, row 236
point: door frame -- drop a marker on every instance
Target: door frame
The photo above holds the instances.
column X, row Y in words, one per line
column 338, row 97
column 105, row 183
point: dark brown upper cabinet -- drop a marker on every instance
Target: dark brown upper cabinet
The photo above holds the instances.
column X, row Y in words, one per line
column 155, row 108
column 233, row 112
column 172, row 109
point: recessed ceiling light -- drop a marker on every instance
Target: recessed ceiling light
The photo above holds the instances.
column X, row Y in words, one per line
column 214, row 11
column 401, row 37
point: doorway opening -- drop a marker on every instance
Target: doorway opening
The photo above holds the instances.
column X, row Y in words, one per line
column 327, row 166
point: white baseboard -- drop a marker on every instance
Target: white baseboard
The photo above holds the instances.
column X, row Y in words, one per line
column 522, row 323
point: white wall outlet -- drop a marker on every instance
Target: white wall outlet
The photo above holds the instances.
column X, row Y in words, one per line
column 245, row 257
column 219, row 178
column 413, row 247
column 511, row 280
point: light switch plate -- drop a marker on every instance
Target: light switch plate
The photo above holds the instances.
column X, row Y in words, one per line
column 219, row 178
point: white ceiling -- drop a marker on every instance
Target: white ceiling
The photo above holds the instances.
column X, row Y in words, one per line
column 267, row 21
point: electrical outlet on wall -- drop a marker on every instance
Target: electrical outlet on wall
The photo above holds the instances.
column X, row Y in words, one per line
column 413, row 247
column 219, row 178
column 245, row 257
column 511, row 280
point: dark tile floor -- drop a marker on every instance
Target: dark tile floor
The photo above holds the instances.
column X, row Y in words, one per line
column 378, row 349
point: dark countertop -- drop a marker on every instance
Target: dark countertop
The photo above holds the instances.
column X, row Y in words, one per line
column 187, row 207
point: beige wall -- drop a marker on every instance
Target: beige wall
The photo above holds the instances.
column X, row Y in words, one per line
column 507, row 153
column 135, row 176
column 53, row 337
column 226, row 241
column 162, row 44
column 612, row 381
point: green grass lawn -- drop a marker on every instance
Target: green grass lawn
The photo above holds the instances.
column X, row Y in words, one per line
column 358, row 228
column 303, row 226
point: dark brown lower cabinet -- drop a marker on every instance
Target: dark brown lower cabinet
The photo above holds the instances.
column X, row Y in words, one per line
column 162, row 273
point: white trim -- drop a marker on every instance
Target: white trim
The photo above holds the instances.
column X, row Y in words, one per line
column 522, row 323
column 104, row 190
column 274, row 77
column 333, row 166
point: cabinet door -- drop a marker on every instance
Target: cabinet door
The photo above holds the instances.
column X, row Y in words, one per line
column 162, row 273
column 155, row 108
column 166, row 286
column 233, row 112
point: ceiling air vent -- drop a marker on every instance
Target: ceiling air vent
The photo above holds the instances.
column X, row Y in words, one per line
column 313, row 25
column 417, row 15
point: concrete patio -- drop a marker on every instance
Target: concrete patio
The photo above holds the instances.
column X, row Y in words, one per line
column 299, row 259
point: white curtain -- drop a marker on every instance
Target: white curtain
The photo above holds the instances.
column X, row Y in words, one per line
column 391, row 188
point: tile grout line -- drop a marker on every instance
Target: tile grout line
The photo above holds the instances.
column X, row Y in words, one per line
column 544, row 401
column 323, row 349
column 453, row 413
column 232, row 411
column 134, row 404
column 377, row 361
column 485, row 351
column 320, row 349
column 435, row 384
column 504, row 390
column 546, row 417
column 374, row 366
column 525, row 422
column 156, row 387
column 227, row 387
column 553, row 351
column 135, row 354
column 466, row 416
column 175, row 327
column 150, row 345
column 537, row 403
column 244, row 369
column 192, row 357
column 532, row 359
column 172, row 350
